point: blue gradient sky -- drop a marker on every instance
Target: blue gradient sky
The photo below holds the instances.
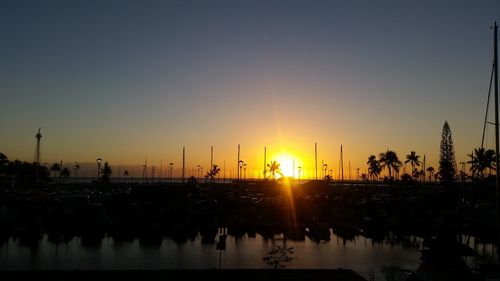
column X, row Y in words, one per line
column 122, row 80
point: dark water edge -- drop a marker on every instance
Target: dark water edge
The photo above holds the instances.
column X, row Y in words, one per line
column 241, row 274
column 316, row 213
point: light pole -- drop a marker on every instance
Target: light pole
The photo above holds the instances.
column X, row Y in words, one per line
column 153, row 169
column 171, row 165
column 300, row 170
column 239, row 168
column 357, row 174
column 244, row 171
column 99, row 162
column 462, row 174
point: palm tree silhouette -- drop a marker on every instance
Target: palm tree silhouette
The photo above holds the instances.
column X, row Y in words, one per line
column 213, row 172
column 4, row 162
column 65, row 173
column 431, row 171
column 76, row 169
column 56, row 167
column 390, row 160
column 274, row 168
column 412, row 158
column 481, row 160
column 374, row 168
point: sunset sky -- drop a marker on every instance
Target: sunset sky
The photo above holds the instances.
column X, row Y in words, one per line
column 124, row 80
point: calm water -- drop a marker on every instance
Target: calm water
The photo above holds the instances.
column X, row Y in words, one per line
column 359, row 255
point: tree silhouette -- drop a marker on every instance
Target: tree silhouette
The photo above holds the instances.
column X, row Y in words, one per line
column 4, row 163
column 481, row 160
column 56, row 167
column 390, row 160
column 374, row 168
column 431, row 171
column 447, row 163
column 106, row 173
column 213, row 172
column 412, row 158
column 65, row 173
column 76, row 169
column 274, row 168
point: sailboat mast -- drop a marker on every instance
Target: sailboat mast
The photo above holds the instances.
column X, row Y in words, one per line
column 497, row 160
column 316, row 159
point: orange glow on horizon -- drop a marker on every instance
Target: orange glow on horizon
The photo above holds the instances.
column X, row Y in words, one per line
column 288, row 164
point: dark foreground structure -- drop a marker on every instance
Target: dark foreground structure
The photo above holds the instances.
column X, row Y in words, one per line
column 219, row 275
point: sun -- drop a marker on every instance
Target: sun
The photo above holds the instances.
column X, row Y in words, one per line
column 286, row 161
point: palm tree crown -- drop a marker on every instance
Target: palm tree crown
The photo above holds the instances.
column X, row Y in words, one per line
column 374, row 168
column 412, row 158
column 274, row 168
column 390, row 160
column 481, row 160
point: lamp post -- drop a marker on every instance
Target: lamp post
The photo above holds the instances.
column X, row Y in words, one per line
column 199, row 171
column 171, row 165
column 300, row 170
column 153, row 169
column 239, row 168
column 357, row 174
column 99, row 162
column 462, row 174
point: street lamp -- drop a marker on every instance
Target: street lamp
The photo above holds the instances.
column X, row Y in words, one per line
column 171, row 166
column 239, row 167
column 153, row 169
column 99, row 162
column 357, row 174
column 300, row 170
column 463, row 171
column 199, row 173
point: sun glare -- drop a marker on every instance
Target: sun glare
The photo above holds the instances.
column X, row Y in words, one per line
column 286, row 162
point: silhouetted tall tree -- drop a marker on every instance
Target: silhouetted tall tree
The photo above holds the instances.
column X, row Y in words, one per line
column 274, row 168
column 431, row 171
column 106, row 173
column 4, row 163
column 447, row 163
column 390, row 160
column 481, row 160
column 56, row 168
column 65, row 173
column 412, row 158
column 374, row 168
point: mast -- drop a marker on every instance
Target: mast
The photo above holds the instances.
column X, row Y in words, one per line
column 497, row 159
column 316, row 158
column 238, row 164
column 38, row 136
column 342, row 162
column 183, row 162
column 264, row 171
